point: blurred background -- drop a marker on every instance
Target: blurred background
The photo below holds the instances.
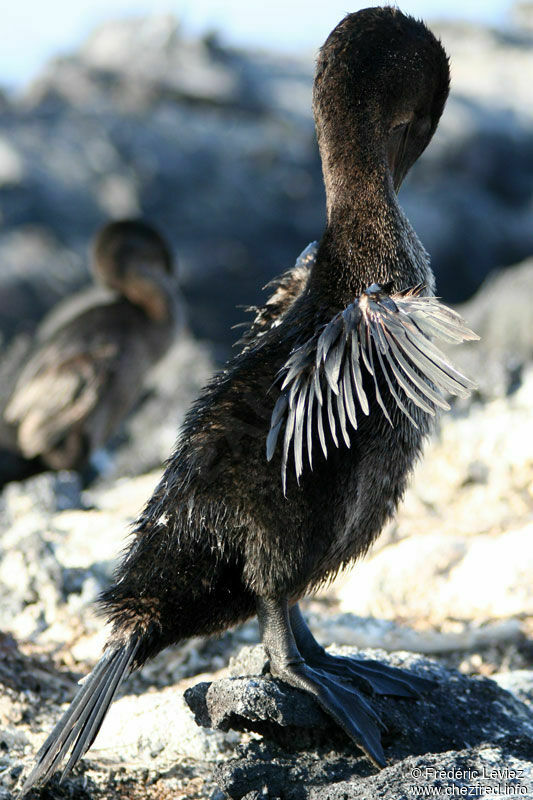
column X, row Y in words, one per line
column 197, row 116
column 201, row 121
column 35, row 33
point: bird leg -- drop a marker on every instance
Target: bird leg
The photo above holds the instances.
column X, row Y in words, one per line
column 370, row 676
column 343, row 702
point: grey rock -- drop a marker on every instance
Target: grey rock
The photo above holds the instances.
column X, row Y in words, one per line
column 519, row 682
column 320, row 775
column 304, row 755
column 148, row 747
column 501, row 313
column 11, row 166
column 476, row 577
column 47, row 493
column 157, row 728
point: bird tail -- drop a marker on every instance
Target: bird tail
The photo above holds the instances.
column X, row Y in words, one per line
column 77, row 729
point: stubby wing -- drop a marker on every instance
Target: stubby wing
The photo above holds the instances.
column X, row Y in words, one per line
column 286, row 288
column 58, row 389
column 322, row 386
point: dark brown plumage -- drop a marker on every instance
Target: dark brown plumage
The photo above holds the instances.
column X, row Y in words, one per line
column 224, row 536
column 93, row 352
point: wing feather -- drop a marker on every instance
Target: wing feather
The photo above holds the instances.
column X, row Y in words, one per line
column 289, row 428
column 331, row 416
column 321, row 433
column 413, row 376
column 309, row 428
column 391, row 336
column 369, row 348
column 341, row 413
column 299, row 428
column 392, row 390
column 348, row 389
column 357, row 375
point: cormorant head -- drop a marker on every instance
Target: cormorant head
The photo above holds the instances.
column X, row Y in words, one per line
column 381, row 83
column 131, row 257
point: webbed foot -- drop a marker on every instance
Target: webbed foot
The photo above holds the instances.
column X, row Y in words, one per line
column 369, row 675
column 344, row 703
column 340, row 684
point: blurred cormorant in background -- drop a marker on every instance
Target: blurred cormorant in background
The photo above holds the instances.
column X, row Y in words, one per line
column 87, row 365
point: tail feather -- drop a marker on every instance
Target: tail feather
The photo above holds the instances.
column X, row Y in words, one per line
column 87, row 731
column 78, row 727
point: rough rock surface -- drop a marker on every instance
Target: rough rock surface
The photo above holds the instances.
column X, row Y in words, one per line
column 421, row 738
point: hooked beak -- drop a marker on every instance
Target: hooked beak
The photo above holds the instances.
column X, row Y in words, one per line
column 397, row 154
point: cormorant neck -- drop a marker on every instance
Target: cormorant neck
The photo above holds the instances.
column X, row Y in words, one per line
column 153, row 291
column 367, row 239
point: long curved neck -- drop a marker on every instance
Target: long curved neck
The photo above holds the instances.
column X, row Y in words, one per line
column 154, row 291
column 150, row 288
column 368, row 238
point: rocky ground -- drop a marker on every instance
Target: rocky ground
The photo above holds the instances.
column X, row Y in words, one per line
column 451, row 578
column 448, row 589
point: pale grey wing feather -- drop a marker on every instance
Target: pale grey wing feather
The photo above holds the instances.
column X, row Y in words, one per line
column 276, row 423
column 390, row 337
column 407, row 387
column 317, row 387
column 442, row 322
column 299, row 427
column 348, row 390
column 428, row 358
column 331, row 416
column 321, row 433
column 364, row 353
column 433, row 364
column 357, row 375
column 369, row 348
column 390, row 384
column 435, row 328
column 333, row 362
column 414, row 377
column 309, row 424
column 341, row 413
column 289, row 429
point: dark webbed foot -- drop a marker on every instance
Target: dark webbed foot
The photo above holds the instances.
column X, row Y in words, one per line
column 346, row 705
column 297, row 659
column 368, row 675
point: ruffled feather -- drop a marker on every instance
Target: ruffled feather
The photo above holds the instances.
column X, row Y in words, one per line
column 382, row 334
